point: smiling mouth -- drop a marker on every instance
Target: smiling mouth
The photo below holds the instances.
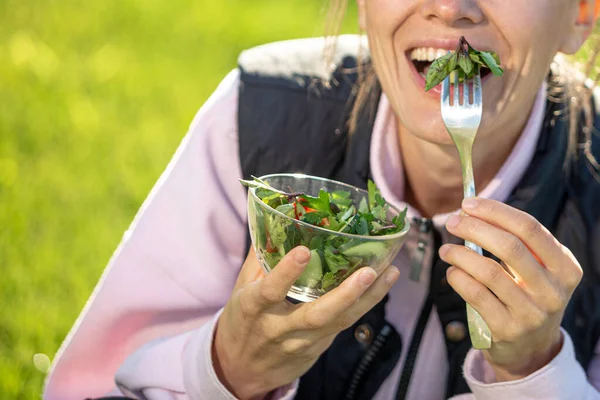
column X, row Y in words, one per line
column 423, row 57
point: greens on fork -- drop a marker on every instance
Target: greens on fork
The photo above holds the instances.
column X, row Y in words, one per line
column 465, row 60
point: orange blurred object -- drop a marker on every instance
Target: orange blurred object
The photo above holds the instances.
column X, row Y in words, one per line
column 586, row 13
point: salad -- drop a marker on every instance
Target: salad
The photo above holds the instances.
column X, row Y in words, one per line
column 333, row 256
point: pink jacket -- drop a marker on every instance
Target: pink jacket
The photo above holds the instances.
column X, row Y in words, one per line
column 147, row 329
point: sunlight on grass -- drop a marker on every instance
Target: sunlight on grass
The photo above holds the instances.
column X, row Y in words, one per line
column 95, row 98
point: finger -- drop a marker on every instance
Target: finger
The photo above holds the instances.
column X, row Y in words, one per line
column 274, row 287
column 251, row 271
column 524, row 226
column 372, row 296
column 488, row 272
column 321, row 312
column 495, row 314
column 502, row 244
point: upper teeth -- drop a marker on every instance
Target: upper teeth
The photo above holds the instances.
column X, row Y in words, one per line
column 427, row 54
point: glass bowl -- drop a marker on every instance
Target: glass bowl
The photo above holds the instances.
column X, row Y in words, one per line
column 274, row 234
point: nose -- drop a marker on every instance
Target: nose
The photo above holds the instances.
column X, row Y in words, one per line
column 453, row 13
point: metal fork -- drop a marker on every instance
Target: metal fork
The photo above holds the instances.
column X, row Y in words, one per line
column 462, row 122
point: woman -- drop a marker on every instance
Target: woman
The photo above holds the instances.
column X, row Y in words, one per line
column 175, row 318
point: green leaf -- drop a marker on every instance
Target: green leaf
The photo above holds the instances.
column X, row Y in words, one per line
column 272, row 200
column 363, row 206
column 328, row 280
column 300, row 210
column 334, row 261
column 334, row 224
column 316, row 243
column 379, row 212
column 372, row 190
column 325, row 202
column 287, row 209
column 259, row 183
column 276, row 227
column 272, row 259
column 345, row 216
column 362, row 227
column 400, row 219
column 465, row 62
column 314, row 218
column 379, row 200
column 490, row 62
column 440, row 69
column 342, row 194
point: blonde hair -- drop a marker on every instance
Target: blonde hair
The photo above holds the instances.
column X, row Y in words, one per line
column 572, row 84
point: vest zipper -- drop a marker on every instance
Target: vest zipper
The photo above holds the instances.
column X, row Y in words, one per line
column 366, row 361
column 425, row 227
column 416, row 263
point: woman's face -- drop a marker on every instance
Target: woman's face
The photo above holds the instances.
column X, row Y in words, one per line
column 526, row 34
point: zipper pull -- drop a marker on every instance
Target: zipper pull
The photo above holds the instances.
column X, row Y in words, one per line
column 416, row 264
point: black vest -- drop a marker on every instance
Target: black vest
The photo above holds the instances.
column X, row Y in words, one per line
column 293, row 117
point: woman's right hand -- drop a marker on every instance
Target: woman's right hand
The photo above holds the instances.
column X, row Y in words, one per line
column 263, row 342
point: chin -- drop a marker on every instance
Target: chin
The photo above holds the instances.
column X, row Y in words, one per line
column 424, row 125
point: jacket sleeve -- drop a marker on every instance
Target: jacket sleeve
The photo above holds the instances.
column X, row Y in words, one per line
column 562, row 378
column 146, row 331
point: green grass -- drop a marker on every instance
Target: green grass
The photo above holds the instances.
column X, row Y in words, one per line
column 94, row 98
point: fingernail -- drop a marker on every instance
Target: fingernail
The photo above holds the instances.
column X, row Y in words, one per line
column 301, row 255
column 368, row 277
column 444, row 250
column 452, row 221
column 470, row 203
column 392, row 275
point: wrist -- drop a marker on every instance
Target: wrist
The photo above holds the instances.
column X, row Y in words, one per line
column 240, row 387
column 534, row 362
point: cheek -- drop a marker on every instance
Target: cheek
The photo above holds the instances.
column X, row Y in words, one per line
column 535, row 29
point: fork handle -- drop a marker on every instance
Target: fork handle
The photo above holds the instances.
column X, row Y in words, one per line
column 481, row 337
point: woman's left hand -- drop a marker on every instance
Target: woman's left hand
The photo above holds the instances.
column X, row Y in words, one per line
column 523, row 312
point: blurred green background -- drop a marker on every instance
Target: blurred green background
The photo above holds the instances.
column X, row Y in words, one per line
column 94, row 99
